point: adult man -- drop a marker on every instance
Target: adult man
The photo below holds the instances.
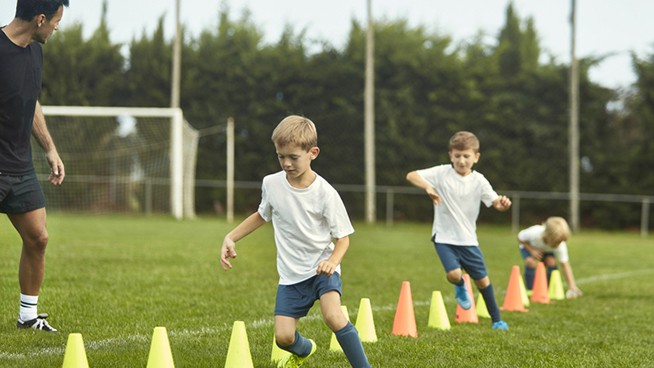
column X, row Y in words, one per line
column 21, row 196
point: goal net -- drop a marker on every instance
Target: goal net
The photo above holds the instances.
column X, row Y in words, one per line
column 121, row 159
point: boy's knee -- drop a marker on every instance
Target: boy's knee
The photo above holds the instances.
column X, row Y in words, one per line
column 335, row 320
column 284, row 338
column 482, row 283
column 454, row 276
column 531, row 262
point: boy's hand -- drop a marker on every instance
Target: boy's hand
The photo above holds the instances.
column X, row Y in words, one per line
column 574, row 293
column 433, row 195
column 502, row 203
column 326, row 268
column 227, row 251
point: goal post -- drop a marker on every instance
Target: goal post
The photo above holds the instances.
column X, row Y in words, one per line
column 122, row 159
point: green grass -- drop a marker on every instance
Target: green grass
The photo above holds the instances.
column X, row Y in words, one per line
column 113, row 279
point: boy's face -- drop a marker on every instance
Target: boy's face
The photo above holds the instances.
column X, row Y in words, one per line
column 295, row 161
column 463, row 160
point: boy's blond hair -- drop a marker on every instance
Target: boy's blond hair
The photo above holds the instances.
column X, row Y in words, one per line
column 296, row 130
column 464, row 140
column 556, row 231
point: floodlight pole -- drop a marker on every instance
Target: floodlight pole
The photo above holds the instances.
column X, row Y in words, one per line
column 574, row 123
column 369, row 122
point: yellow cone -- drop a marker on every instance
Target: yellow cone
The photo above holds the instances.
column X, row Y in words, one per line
column 365, row 322
column 238, row 355
column 482, row 311
column 277, row 353
column 523, row 293
column 334, row 344
column 75, row 355
column 556, row 286
column 437, row 314
column 160, row 354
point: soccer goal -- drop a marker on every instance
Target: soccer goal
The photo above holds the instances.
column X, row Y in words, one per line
column 121, row 160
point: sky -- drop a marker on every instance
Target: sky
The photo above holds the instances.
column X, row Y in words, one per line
column 604, row 27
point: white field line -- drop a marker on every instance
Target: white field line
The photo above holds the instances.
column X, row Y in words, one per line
column 257, row 324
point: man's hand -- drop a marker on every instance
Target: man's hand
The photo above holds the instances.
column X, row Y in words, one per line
column 502, row 203
column 433, row 195
column 57, row 172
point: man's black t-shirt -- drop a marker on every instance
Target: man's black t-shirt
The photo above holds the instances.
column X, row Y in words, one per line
column 20, row 85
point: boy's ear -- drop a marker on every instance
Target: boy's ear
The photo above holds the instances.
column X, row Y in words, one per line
column 477, row 155
column 315, row 151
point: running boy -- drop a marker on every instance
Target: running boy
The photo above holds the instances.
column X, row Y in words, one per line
column 457, row 191
column 546, row 243
column 312, row 231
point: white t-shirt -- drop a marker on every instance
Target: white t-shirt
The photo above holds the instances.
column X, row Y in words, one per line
column 305, row 221
column 455, row 218
column 534, row 236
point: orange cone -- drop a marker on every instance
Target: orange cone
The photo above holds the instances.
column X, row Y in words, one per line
column 470, row 315
column 540, row 292
column 513, row 299
column 405, row 319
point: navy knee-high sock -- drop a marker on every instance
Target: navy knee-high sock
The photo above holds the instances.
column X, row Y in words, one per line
column 349, row 339
column 530, row 273
column 300, row 347
column 491, row 304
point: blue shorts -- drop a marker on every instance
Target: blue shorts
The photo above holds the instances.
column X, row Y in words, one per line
column 468, row 257
column 20, row 194
column 525, row 253
column 296, row 300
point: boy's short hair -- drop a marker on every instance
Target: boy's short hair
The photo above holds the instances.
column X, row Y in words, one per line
column 464, row 140
column 297, row 130
column 556, row 231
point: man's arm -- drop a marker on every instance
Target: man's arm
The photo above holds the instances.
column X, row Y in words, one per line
column 42, row 135
column 414, row 178
column 328, row 267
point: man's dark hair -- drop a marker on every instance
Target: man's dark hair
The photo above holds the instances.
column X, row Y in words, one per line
column 28, row 9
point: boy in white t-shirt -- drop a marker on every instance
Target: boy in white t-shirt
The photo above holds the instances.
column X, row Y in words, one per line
column 312, row 229
column 457, row 191
column 546, row 243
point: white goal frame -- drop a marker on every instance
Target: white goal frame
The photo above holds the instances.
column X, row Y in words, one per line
column 176, row 141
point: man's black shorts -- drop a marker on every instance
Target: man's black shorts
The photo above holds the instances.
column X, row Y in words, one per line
column 20, row 194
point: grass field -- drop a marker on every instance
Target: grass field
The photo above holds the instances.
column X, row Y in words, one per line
column 113, row 279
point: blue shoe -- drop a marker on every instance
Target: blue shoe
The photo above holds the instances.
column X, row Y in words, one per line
column 500, row 325
column 462, row 296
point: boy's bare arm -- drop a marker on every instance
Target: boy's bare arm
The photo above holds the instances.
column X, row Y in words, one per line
column 340, row 248
column 414, row 178
column 502, row 203
column 573, row 290
column 253, row 222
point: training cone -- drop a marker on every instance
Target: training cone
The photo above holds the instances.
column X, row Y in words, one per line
column 469, row 315
column 437, row 314
column 513, row 301
column 365, row 323
column 540, row 293
column 482, row 311
column 75, row 355
column 277, row 354
column 556, row 286
column 160, row 353
column 334, row 345
column 238, row 355
column 404, row 323
column 523, row 292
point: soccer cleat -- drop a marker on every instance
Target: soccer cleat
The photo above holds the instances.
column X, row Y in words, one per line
column 462, row 296
column 37, row 323
column 294, row 361
column 500, row 325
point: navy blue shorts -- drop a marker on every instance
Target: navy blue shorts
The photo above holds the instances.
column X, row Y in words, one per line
column 20, row 194
column 296, row 300
column 468, row 257
column 525, row 253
